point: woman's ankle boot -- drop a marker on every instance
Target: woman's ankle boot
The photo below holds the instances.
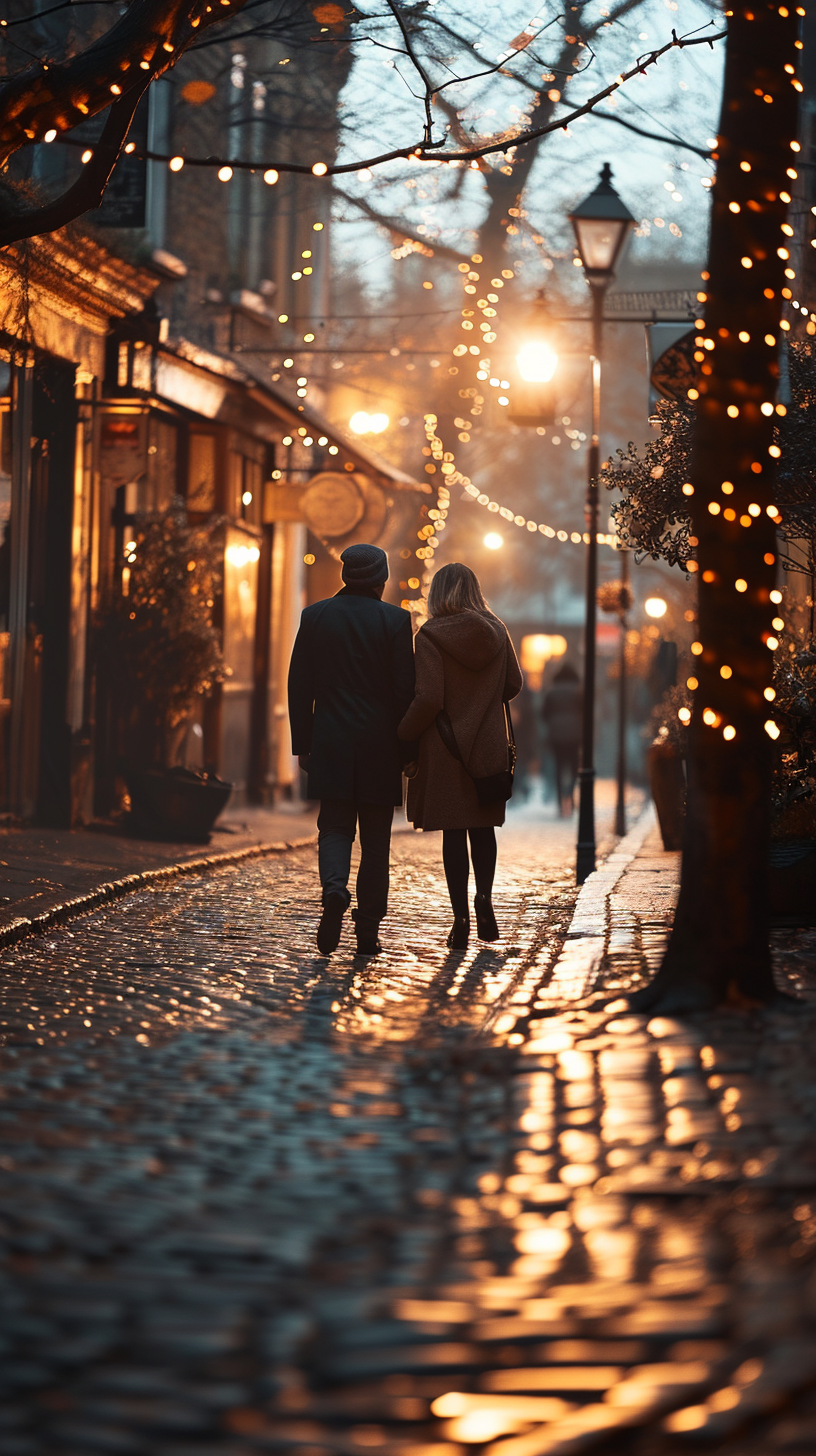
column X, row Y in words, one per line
column 459, row 933
column 486, row 927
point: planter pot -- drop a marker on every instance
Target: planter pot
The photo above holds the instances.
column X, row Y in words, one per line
column 792, row 881
column 667, row 782
column 176, row 803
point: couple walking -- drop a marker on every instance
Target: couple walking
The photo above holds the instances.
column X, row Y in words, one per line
column 364, row 708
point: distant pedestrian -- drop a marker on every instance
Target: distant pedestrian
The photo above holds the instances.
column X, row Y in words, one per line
column 350, row 681
column 466, row 671
column 525, row 725
column 561, row 712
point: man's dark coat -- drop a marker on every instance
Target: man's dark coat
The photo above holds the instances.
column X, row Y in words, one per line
column 351, row 679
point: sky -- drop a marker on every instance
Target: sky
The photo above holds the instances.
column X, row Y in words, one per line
column 662, row 183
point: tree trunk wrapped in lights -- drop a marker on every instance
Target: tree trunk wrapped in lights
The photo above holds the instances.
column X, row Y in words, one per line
column 719, row 948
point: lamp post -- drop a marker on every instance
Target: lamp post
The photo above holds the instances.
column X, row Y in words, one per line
column 620, row 800
column 601, row 223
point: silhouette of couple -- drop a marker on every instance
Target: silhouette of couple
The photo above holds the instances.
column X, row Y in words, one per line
column 366, row 708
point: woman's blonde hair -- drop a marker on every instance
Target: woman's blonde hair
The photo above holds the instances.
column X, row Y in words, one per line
column 455, row 588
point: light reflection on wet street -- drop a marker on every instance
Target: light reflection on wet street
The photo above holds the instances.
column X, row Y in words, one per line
column 254, row 1200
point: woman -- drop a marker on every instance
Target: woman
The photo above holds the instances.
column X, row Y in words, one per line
column 465, row 663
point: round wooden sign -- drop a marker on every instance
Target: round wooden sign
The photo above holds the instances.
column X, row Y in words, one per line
column 333, row 504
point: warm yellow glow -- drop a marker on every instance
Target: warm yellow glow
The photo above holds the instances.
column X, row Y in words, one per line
column 537, row 362
column 684, row 714
column 270, row 176
column 770, row 694
column 224, row 174
column 362, row 423
column 537, row 649
column 771, row 729
column 50, row 135
column 240, row 556
column 493, row 541
column 175, row 164
column 320, row 169
column 655, row 607
column 729, row 732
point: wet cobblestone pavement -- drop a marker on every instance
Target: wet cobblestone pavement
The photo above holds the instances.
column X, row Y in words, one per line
column 253, row 1200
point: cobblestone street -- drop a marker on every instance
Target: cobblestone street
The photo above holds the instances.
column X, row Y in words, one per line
column 255, row 1200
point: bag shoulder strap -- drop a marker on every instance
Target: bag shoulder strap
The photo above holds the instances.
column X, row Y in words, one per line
column 446, row 733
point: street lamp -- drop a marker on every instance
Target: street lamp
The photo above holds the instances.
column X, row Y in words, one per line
column 362, row 423
column 655, row 607
column 537, row 361
column 601, row 223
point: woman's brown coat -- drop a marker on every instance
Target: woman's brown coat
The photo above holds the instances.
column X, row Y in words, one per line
column 465, row 664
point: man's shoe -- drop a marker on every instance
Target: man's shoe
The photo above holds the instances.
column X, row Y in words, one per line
column 331, row 921
column 368, row 940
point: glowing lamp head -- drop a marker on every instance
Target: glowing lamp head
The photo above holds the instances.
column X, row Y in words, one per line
column 537, row 362
column 655, row 607
column 493, row 541
column 362, row 423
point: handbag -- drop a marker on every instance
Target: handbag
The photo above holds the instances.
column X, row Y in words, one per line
column 495, row 788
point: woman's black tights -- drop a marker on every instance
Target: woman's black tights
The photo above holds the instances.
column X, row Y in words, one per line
column 455, row 860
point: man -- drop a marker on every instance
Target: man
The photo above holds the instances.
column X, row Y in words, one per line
column 351, row 680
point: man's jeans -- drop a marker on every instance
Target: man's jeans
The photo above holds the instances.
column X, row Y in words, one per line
column 336, row 829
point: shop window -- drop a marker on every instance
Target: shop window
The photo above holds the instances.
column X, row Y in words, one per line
column 252, row 494
column 246, row 470
column 141, row 371
column 161, row 463
column 121, row 456
column 201, row 477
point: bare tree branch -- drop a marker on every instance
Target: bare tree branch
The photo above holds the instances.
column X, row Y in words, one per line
column 399, row 228
column 428, row 89
column 654, row 136
column 141, row 44
column 87, row 191
column 423, row 153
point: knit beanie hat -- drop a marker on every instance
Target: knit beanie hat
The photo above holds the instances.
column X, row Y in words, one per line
column 364, row 565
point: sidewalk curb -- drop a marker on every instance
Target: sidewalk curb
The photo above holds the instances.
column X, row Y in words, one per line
column 586, row 939
column 113, row 890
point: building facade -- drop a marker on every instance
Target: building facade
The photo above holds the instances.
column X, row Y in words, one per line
column 104, row 417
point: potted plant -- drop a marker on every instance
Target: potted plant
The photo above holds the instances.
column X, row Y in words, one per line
column 162, row 653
